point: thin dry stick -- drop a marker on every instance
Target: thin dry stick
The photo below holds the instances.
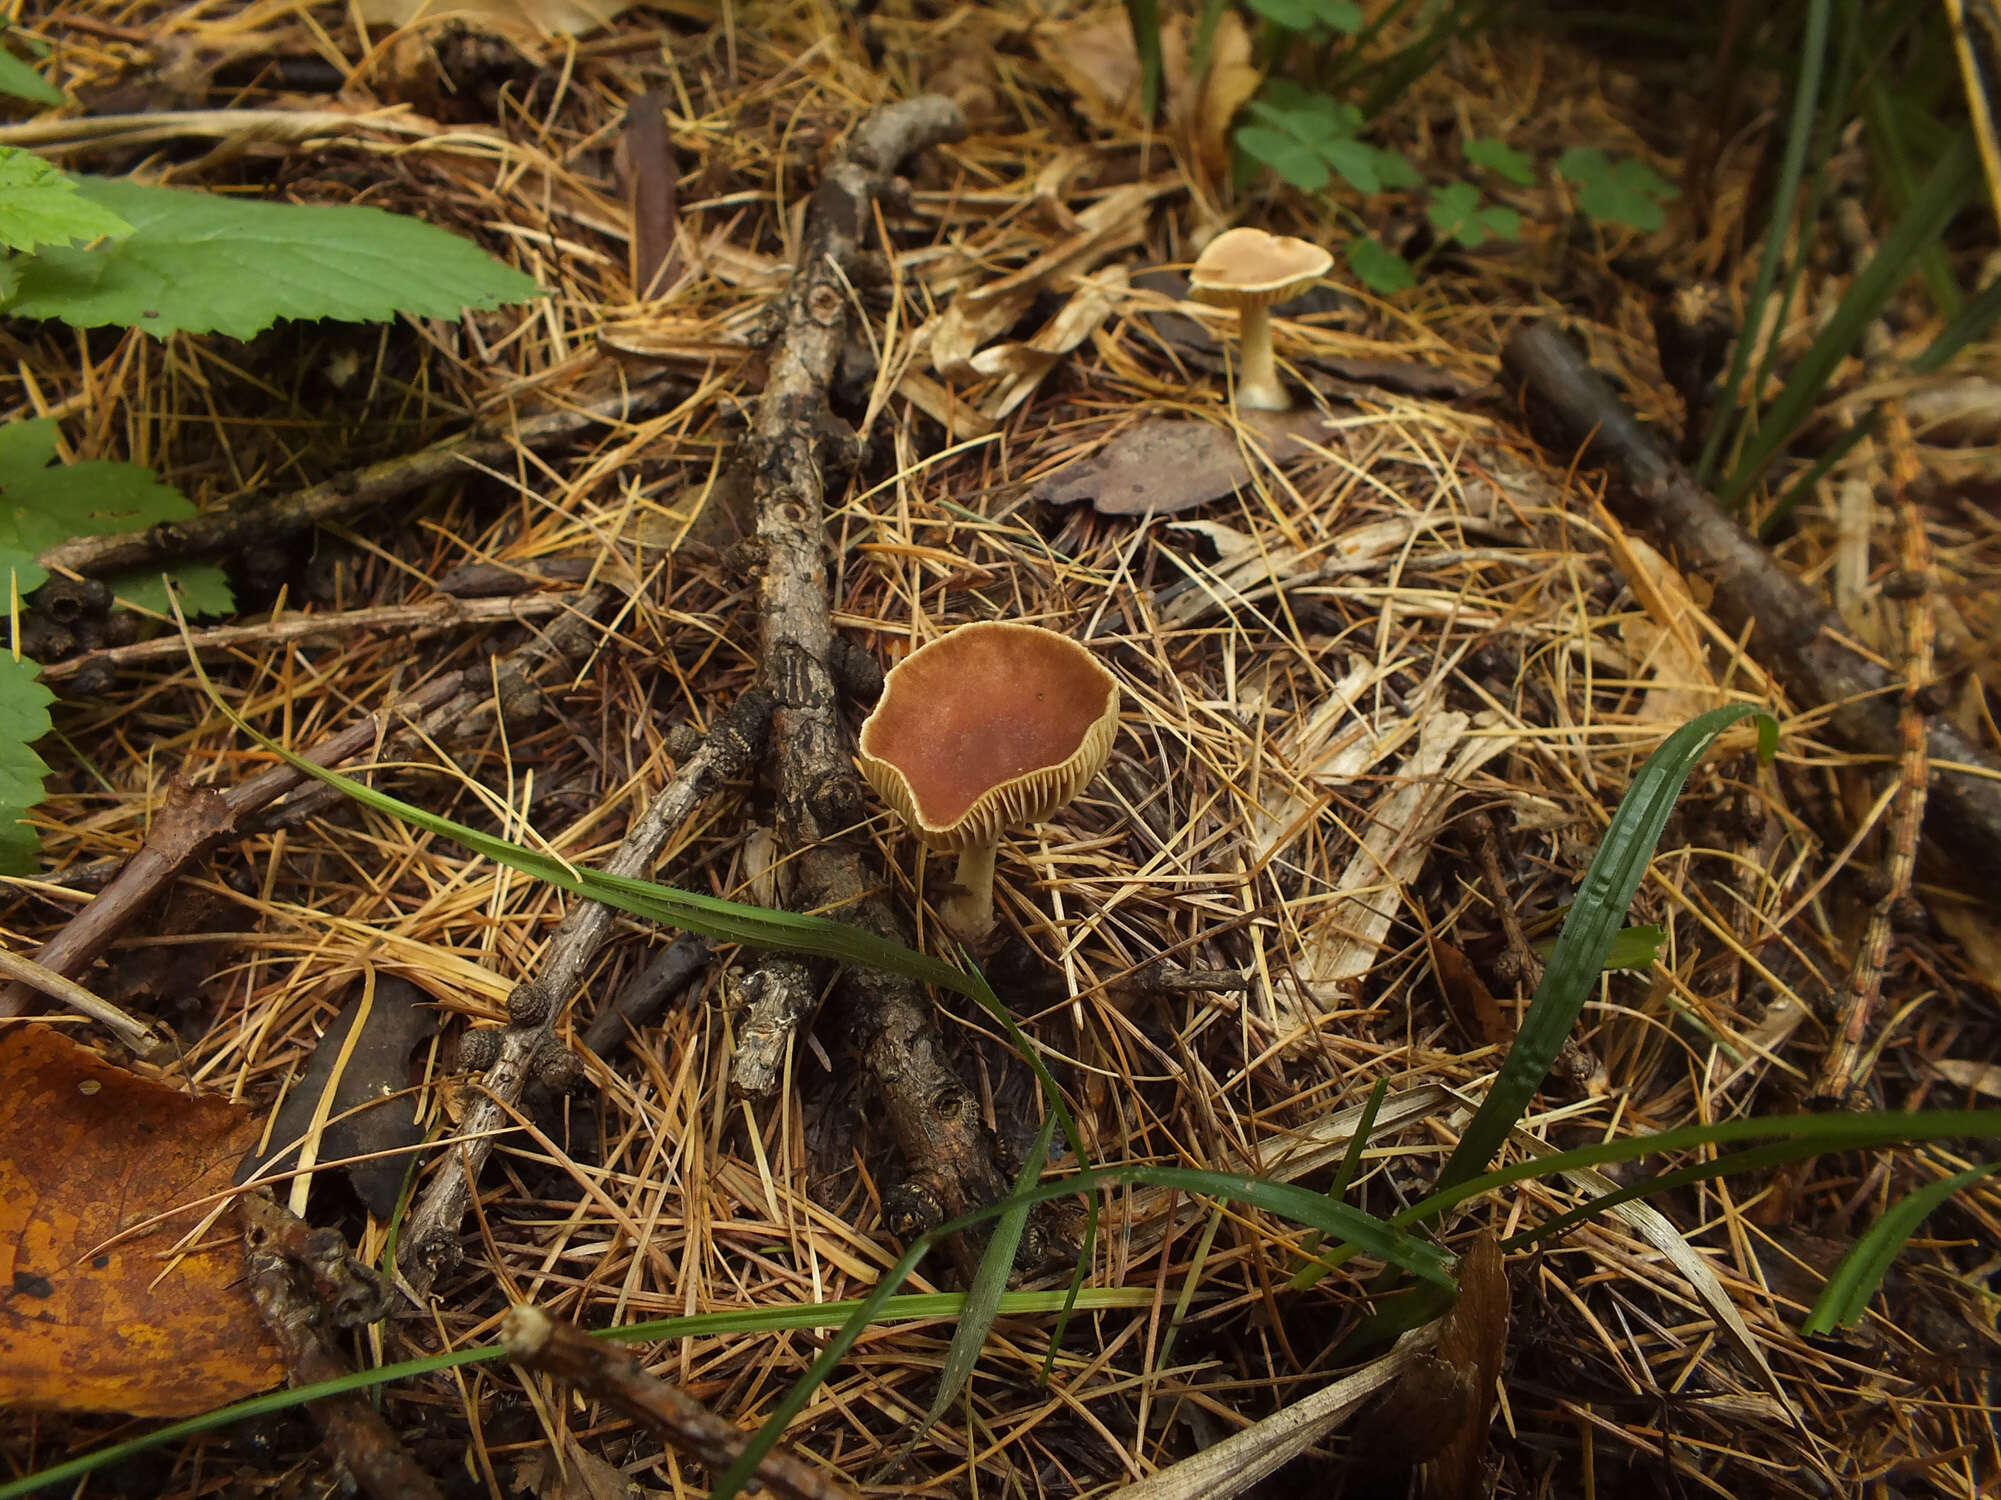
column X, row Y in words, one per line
column 412, row 620
column 342, row 498
column 129, row 1030
column 1790, row 628
column 1844, row 1069
column 281, row 1255
column 509, row 690
column 431, row 1242
column 947, row 1149
column 194, row 820
column 615, row 1376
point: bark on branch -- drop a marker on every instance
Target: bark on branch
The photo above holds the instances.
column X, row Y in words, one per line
column 1793, row 633
column 946, row 1147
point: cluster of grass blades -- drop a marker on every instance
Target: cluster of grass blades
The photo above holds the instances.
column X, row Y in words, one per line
column 1418, row 1278
column 1889, row 68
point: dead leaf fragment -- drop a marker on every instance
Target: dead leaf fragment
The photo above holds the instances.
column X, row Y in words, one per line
column 361, row 1091
column 540, row 17
column 88, row 1150
column 1436, row 1416
column 1169, row 464
column 1473, row 1007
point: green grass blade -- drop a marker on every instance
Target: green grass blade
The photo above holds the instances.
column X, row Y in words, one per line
column 1594, row 921
column 928, row 1306
column 1800, row 488
column 1337, row 1190
column 1972, row 323
column 1883, row 115
column 1145, row 18
column 983, row 1299
column 1944, row 193
column 1786, row 1137
column 1368, row 1233
column 1799, row 134
column 1848, row 1292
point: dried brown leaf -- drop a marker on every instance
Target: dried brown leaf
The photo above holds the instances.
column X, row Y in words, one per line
column 1169, row 464
column 88, row 1150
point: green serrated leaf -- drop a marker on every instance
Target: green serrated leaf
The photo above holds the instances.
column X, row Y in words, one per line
column 1302, row 112
column 1625, row 192
column 201, row 588
column 24, row 718
column 200, row 263
column 43, row 505
column 1502, row 160
column 1355, row 161
column 1454, row 211
column 42, row 206
column 1381, row 270
column 21, row 81
column 1501, row 223
column 10, row 277
column 1396, row 171
column 1298, row 162
column 1457, row 213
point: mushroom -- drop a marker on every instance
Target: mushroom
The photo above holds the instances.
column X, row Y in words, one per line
column 993, row 724
column 1249, row 270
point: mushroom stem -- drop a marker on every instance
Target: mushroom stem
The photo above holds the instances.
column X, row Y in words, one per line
column 1258, row 385
column 968, row 913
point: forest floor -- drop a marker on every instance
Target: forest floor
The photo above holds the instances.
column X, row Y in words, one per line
column 1384, row 683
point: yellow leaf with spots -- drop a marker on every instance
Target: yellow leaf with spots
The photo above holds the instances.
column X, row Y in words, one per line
column 88, row 1150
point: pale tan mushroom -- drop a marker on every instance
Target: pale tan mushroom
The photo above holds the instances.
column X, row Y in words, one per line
column 987, row 727
column 1249, row 270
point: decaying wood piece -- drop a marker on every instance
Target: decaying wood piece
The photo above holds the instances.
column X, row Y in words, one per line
column 946, row 1147
column 613, row 1375
column 224, row 531
column 523, row 1047
column 1790, row 630
column 304, row 1280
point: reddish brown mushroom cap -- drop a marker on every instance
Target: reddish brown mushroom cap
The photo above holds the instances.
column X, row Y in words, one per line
column 992, row 725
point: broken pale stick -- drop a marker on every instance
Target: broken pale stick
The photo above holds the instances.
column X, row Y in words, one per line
column 1791, row 630
column 522, row 1049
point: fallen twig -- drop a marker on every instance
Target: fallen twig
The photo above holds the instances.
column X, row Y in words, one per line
column 302, row 1279
column 431, row 1239
column 414, row 621
column 194, row 820
column 1792, row 632
column 341, row 498
column 614, row 1376
column 1845, row 1065
column 647, row 993
column 947, row 1150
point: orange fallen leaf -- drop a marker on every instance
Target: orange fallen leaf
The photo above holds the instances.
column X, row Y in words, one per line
column 88, row 1150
